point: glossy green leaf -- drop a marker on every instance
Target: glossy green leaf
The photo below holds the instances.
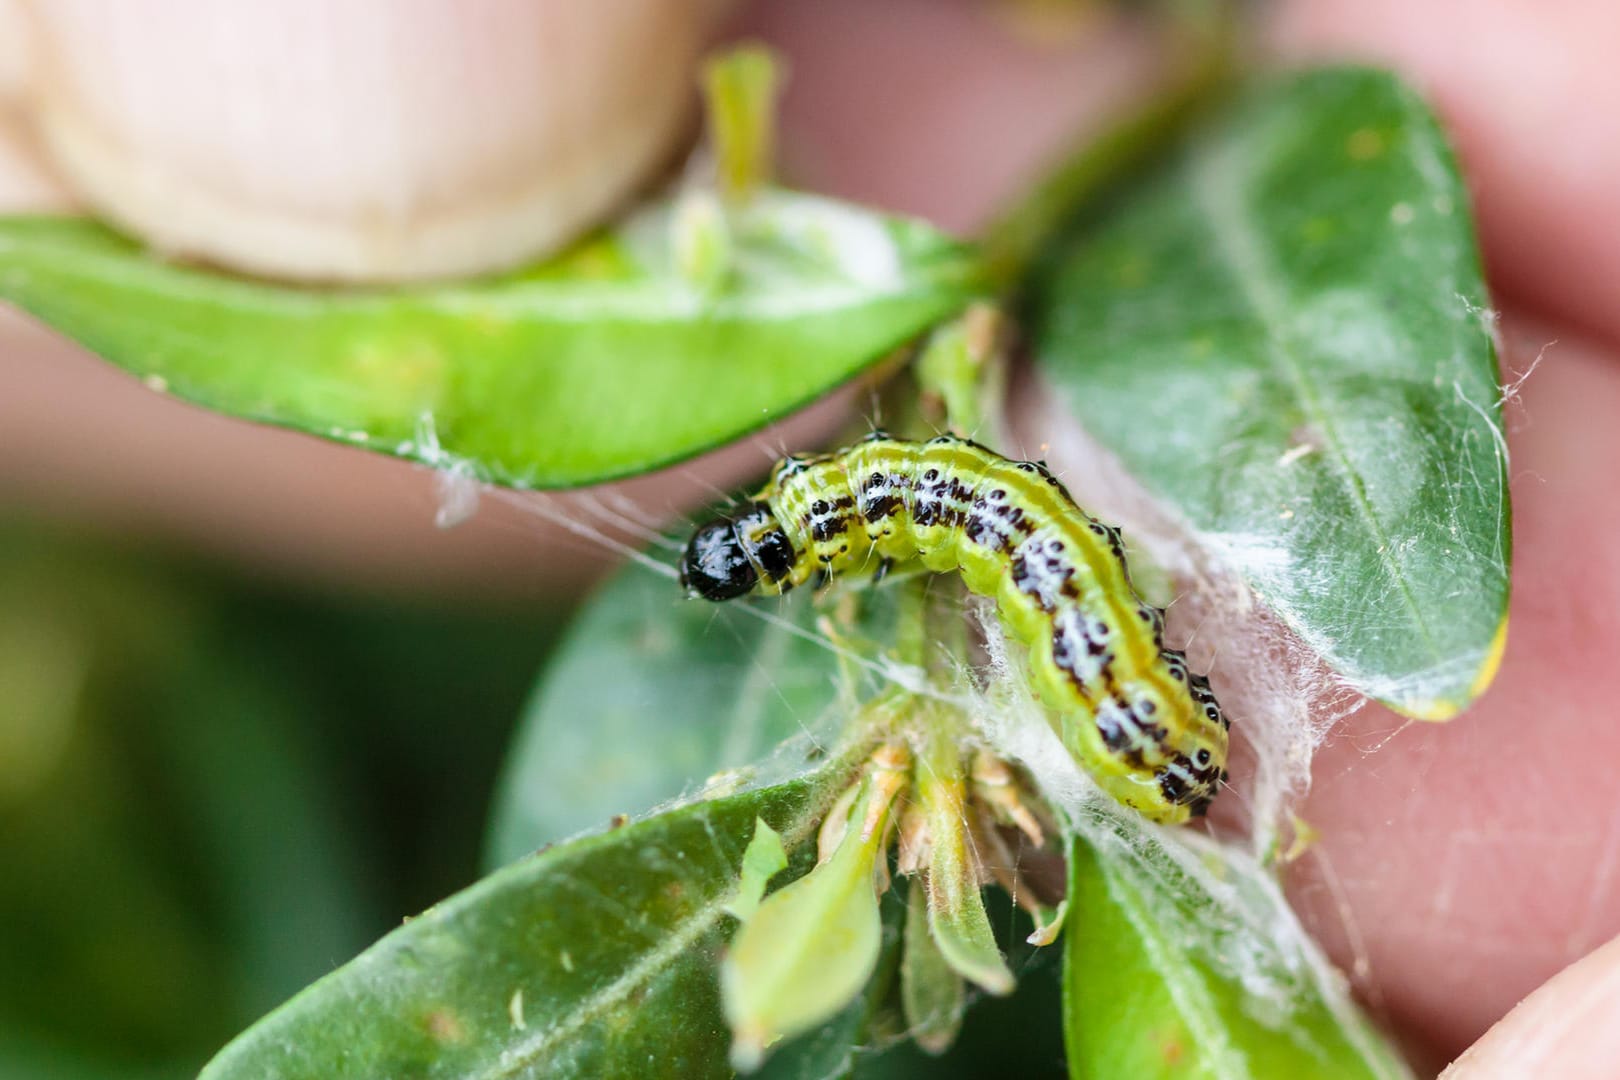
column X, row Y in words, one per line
column 1168, row 973
column 652, row 696
column 601, row 363
column 595, row 958
column 1281, row 333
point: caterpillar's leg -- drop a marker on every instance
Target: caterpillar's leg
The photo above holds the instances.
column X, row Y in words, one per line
column 882, row 571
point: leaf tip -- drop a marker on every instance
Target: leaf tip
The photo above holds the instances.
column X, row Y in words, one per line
column 748, row 1048
column 1439, row 710
column 764, row 858
column 1048, row 928
column 1493, row 661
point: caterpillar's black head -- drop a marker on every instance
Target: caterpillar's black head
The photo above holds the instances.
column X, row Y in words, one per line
column 715, row 566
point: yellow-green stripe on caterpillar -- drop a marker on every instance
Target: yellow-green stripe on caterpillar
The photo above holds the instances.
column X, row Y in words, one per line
column 1148, row 730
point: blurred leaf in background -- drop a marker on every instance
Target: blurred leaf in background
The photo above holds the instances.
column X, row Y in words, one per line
column 212, row 792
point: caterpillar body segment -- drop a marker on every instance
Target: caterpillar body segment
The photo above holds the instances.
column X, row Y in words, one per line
column 1127, row 709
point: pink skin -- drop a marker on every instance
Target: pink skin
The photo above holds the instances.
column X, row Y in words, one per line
column 1527, row 91
column 1475, row 859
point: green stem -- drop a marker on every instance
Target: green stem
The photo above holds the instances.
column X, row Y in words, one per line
column 1202, row 42
column 911, row 637
column 939, row 764
column 740, row 88
column 946, row 602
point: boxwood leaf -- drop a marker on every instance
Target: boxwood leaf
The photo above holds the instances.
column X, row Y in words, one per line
column 1280, row 333
column 1172, row 973
column 603, row 362
column 593, row 958
column 651, row 696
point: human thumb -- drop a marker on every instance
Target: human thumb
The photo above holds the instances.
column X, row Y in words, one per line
column 373, row 140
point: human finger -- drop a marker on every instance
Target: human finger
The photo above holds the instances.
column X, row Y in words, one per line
column 1568, row 1028
column 368, row 141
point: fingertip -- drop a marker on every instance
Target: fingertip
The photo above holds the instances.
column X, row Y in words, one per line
column 1568, row 1028
column 368, row 141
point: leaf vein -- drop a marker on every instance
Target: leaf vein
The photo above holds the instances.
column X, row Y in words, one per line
column 1218, row 190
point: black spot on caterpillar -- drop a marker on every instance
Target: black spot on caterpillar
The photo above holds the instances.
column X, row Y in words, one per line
column 1127, row 709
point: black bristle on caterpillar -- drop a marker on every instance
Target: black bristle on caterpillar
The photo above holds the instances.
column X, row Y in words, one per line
column 1148, row 730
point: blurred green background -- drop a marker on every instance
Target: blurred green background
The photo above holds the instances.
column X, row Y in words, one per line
column 214, row 789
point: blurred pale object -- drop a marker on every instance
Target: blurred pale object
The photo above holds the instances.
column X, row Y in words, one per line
column 374, row 140
column 26, row 183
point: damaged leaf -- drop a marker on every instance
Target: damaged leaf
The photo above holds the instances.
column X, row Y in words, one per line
column 1282, row 334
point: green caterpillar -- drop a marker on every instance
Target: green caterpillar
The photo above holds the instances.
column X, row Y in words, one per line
column 1128, row 710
